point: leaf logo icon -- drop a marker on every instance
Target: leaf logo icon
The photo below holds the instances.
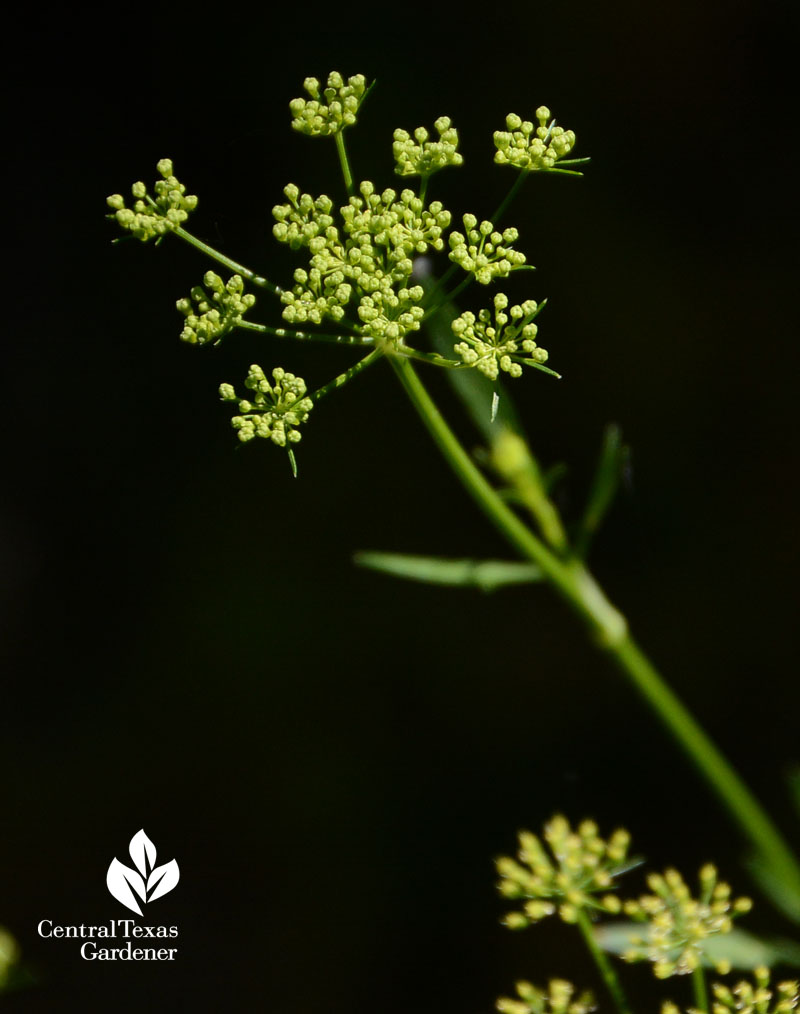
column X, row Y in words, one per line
column 147, row 882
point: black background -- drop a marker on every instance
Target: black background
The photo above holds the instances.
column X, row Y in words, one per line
column 334, row 759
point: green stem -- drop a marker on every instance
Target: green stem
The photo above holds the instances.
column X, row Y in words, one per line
column 610, row 977
column 449, row 297
column 512, row 193
column 604, row 620
column 240, row 269
column 575, row 584
column 430, row 357
column 722, row 778
column 343, row 378
column 311, row 336
column 345, row 164
column 700, row 991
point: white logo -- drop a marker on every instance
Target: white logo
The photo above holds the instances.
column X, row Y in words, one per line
column 149, row 883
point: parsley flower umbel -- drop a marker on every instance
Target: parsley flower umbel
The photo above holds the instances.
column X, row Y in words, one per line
column 364, row 254
column 558, row 998
column 485, row 252
column 417, row 156
column 328, row 113
column 211, row 317
column 153, row 217
column 533, row 148
column 678, row 924
column 756, row 997
column 576, row 871
column 491, row 345
column 276, row 409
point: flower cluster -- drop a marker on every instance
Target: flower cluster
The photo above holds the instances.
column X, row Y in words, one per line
column 678, row 924
column 576, row 873
column 417, row 156
column 388, row 316
column 484, row 251
column 751, row 998
column 556, row 999
column 214, row 315
column 529, row 147
column 491, row 346
column 275, row 411
column 369, row 257
column 154, row 217
column 334, row 110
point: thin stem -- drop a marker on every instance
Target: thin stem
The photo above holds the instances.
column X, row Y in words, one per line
column 700, row 990
column 498, row 214
column 423, row 188
column 240, row 269
column 561, row 575
column 449, row 297
column 604, row 966
column 440, row 284
column 311, row 336
column 723, row 779
column 345, row 164
column 575, row 584
column 430, row 357
column 343, row 378
column 512, row 193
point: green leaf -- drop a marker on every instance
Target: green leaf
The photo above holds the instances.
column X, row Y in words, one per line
column 538, row 366
column 782, row 895
column 487, row 575
column 610, row 464
column 742, row 949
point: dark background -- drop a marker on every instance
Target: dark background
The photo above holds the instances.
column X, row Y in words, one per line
column 335, row 759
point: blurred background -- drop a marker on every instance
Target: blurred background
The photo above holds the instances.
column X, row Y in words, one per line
column 335, row 758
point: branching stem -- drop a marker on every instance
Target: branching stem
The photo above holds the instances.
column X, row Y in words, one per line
column 343, row 378
column 221, row 258
column 305, row 336
column 573, row 581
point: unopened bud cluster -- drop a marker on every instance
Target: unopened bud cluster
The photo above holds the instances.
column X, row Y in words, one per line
column 756, row 997
column 367, row 258
column 485, row 252
column 153, row 217
column 211, row 315
column 533, row 147
column 678, row 925
column 558, row 998
column 574, row 871
column 415, row 155
column 493, row 342
column 332, row 110
column 275, row 409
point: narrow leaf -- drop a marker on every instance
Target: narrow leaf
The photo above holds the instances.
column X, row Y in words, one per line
column 484, row 574
column 783, row 895
column 742, row 949
column 539, row 366
column 604, row 487
column 794, row 786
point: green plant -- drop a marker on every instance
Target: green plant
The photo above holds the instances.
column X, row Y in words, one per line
column 361, row 287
